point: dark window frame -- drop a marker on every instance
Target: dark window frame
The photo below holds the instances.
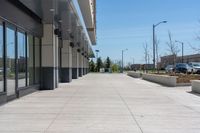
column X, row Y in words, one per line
column 40, row 61
column 26, row 47
column 33, row 60
column 3, row 61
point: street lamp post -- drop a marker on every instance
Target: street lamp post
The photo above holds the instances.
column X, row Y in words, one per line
column 182, row 43
column 154, row 42
column 122, row 70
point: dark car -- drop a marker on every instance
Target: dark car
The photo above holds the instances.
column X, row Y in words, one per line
column 183, row 68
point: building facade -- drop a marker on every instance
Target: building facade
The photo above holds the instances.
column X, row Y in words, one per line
column 170, row 59
column 43, row 43
column 142, row 67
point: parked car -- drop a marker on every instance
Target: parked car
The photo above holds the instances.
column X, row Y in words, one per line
column 169, row 69
column 183, row 68
column 195, row 67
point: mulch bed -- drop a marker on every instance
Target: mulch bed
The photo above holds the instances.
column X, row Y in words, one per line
column 183, row 78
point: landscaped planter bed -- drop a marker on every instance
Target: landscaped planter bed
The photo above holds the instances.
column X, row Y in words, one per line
column 165, row 79
column 183, row 78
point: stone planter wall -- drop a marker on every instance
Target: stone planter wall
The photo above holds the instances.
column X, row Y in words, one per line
column 134, row 74
column 196, row 86
column 161, row 79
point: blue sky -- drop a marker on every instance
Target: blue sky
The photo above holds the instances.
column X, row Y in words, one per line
column 128, row 24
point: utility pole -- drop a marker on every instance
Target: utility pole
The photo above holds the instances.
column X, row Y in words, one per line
column 122, row 70
column 182, row 43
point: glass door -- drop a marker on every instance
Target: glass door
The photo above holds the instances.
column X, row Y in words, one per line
column 10, row 61
column 21, row 59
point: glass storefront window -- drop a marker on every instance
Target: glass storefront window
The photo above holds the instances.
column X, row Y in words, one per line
column 21, row 59
column 1, row 60
column 30, row 59
column 10, row 61
column 37, row 60
column 22, row 62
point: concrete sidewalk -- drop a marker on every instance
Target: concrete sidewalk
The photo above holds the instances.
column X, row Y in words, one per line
column 104, row 103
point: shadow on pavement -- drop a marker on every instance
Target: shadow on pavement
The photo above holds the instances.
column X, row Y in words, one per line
column 194, row 93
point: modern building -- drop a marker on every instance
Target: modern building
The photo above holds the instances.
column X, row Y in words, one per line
column 43, row 43
column 142, row 66
column 169, row 60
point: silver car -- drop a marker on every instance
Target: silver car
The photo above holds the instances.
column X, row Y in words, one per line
column 169, row 69
column 195, row 67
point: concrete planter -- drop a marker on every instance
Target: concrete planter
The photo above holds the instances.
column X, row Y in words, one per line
column 196, row 86
column 170, row 81
column 134, row 74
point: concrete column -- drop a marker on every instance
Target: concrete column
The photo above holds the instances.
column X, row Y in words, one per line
column 83, row 65
column 80, row 64
column 66, row 63
column 66, row 52
column 49, row 79
column 87, row 66
column 75, row 64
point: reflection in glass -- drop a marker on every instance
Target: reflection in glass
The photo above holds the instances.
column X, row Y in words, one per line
column 10, row 61
column 21, row 60
column 1, row 59
column 30, row 59
column 37, row 60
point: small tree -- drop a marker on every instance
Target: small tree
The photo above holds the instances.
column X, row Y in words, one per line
column 172, row 47
column 157, row 50
column 92, row 66
column 108, row 63
column 128, row 66
column 196, row 49
column 115, row 68
column 146, row 54
column 99, row 64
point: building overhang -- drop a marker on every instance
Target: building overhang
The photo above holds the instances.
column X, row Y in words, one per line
column 88, row 10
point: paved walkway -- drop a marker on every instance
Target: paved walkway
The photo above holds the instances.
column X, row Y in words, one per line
column 104, row 103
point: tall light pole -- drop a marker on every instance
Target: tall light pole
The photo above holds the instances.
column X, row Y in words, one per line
column 122, row 70
column 182, row 43
column 154, row 42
